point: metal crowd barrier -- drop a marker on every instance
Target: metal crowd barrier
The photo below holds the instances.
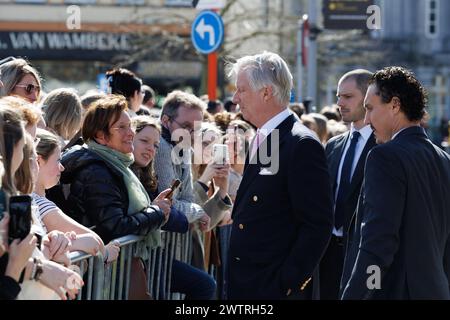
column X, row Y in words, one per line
column 112, row 281
column 91, row 269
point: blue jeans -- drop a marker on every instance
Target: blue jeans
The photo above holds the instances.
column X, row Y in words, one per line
column 194, row 283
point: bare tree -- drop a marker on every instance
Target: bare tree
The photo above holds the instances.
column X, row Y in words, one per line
column 165, row 44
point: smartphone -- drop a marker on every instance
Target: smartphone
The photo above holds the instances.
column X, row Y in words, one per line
column 220, row 154
column 175, row 184
column 20, row 217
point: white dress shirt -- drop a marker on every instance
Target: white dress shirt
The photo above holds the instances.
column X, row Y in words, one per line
column 270, row 125
column 365, row 133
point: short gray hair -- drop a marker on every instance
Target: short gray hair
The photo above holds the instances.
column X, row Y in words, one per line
column 266, row 69
column 177, row 99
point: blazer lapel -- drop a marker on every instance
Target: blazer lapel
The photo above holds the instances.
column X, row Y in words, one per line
column 358, row 177
column 251, row 171
column 337, row 155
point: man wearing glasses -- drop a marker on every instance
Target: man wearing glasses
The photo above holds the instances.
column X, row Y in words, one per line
column 181, row 114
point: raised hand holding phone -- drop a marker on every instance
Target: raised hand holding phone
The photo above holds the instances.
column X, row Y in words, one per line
column 20, row 217
column 175, row 184
column 164, row 202
column 220, row 154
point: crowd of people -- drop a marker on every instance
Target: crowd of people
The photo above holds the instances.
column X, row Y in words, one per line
column 328, row 203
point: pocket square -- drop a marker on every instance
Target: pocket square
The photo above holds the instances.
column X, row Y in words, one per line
column 265, row 172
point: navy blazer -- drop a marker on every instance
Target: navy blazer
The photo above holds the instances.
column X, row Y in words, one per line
column 402, row 224
column 282, row 222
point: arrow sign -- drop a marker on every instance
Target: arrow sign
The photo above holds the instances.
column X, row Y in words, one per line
column 207, row 32
column 203, row 28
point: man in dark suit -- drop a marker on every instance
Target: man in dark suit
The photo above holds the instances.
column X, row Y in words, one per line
column 346, row 156
column 282, row 217
column 400, row 248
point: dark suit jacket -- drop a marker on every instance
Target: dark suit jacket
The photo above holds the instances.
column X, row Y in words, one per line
column 402, row 223
column 281, row 222
column 334, row 151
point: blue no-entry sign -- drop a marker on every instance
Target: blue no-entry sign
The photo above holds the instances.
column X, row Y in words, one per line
column 207, row 32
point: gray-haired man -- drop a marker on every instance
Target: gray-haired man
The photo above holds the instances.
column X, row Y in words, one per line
column 282, row 217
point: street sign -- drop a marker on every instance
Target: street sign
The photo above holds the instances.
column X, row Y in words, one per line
column 207, row 32
column 346, row 14
column 208, row 4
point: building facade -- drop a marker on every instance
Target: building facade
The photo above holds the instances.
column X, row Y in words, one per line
column 420, row 32
column 73, row 42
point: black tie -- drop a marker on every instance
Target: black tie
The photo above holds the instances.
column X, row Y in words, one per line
column 344, row 184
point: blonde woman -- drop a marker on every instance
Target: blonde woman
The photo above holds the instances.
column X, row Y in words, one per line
column 62, row 113
column 30, row 113
column 20, row 79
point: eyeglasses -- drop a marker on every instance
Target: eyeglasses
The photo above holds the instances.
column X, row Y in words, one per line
column 185, row 126
column 124, row 128
column 29, row 88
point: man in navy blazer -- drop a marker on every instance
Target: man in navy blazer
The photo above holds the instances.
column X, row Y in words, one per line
column 400, row 248
column 282, row 216
column 341, row 152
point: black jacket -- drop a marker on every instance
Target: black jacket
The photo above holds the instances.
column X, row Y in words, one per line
column 334, row 150
column 402, row 224
column 98, row 197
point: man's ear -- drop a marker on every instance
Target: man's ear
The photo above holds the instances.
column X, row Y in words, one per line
column 165, row 120
column 396, row 105
column 100, row 137
column 267, row 93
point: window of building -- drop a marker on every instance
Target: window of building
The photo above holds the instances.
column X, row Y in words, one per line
column 431, row 18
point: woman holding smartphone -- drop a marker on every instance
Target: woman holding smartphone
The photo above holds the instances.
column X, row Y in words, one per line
column 102, row 190
column 210, row 171
column 194, row 283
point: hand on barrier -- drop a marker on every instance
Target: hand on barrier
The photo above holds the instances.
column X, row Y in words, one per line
column 112, row 250
column 86, row 242
column 60, row 279
column 56, row 243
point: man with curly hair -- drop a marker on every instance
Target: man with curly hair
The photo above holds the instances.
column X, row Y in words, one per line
column 400, row 247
